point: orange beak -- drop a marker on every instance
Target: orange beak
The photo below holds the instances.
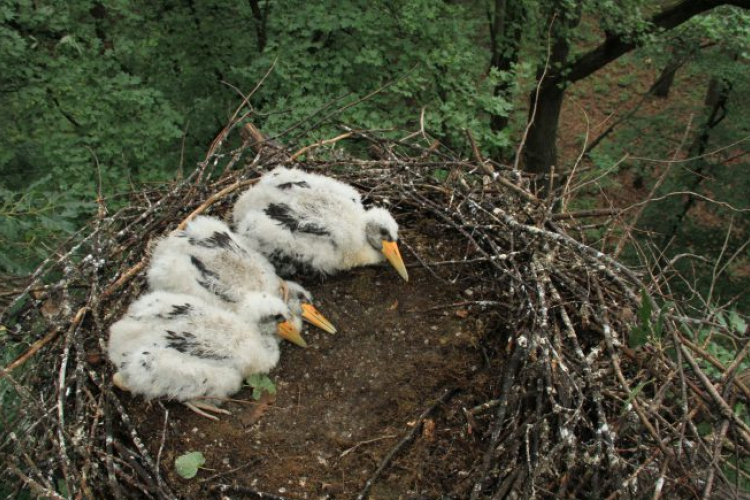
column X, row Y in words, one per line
column 287, row 331
column 390, row 250
column 311, row 315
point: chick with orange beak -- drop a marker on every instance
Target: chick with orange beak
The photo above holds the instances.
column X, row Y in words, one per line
column 308, row 223
column 181, row 347
column 207, row 260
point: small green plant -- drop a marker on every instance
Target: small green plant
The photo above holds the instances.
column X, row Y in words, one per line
column 260, row 384
column 187, row 465
column 647, row 330
column 601, row 88
column 440, row 174
column 627, row 80
column 725, row 351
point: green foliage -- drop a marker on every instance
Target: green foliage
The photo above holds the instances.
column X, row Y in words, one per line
column 726, row 351
column 260, row 384
column 104, row 94
column 70, row 104
column 187, row 465
column 33, row 221
column 633, row 394
column 418, row 50
column 440, row 174
column 719, row 347
column 700, row 228
column 617, row 17
column 647, row 330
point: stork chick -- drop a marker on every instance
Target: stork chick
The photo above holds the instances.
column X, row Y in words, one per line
column 207, row 260
column 309, row 223
column 180, row 347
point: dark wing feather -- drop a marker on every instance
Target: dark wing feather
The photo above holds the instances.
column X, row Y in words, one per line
column 186, row 343
column 290, row 185
column 296, row 223
column 210, row 280
column 177, row 311
column 218, row 239
column 289, row 266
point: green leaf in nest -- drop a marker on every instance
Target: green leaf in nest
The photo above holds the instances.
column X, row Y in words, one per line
column 260, row 384
column 187, row 465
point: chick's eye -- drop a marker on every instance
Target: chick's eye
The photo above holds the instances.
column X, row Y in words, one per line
column 278, row 318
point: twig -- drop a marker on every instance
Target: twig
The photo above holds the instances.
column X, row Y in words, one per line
column 597, row 212
column 213, row 199
column 39, row 344
column 564, row 199
column 249, row 464
column 361, row 443
column 743, row 430
column 244, row 490
column 126, row 276
column 486, row 168
column 161, row 445
column 421, row 261
column 509, row 374
column 464, row 303
column 364, row 493
column 318, row 144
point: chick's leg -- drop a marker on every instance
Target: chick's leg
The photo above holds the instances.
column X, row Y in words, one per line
column 199, row 407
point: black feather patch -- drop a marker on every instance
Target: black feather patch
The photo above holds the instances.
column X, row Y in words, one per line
column 182, row 310
column 177, row 310
column 283, row 214
column 210, row 280
column 201, row 267
column 289, row 185
column 186, row 343
column 287, row 266
column 217, row 240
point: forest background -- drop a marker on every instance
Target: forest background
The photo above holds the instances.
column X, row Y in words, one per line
column 639, row 109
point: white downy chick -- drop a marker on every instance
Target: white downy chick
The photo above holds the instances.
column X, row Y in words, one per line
column 180, row 347
column 310, row 223
column 208, row 260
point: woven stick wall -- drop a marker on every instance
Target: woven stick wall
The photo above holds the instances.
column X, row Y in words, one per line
column 580, row 414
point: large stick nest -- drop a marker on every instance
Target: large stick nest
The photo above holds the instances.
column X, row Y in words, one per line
column 579, row 412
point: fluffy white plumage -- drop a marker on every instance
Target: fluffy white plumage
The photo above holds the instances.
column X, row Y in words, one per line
column 207, row 260
column 305, row 222
column 181, row 347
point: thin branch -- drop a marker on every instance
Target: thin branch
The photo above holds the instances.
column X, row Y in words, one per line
column 364, row 493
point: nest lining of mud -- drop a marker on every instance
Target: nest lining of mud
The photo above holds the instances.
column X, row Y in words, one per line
column 501, row 371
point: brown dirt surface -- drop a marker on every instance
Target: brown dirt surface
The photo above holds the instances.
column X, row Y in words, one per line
column 345, row 401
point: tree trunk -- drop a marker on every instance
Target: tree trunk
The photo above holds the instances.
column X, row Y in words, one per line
column 682, row 51
column 717, row 96
column 540, row 152
column 540, row 161
column 260, row 17
column 663, row 84
column 505, row 37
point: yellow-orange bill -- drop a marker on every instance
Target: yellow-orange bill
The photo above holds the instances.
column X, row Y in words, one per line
column 287, row 331
column 390, row 250
column 311, row 315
